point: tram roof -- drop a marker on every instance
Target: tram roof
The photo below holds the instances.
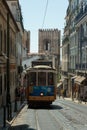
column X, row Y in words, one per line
column 40, row 67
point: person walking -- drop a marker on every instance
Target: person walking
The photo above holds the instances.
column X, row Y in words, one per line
column 62, row 93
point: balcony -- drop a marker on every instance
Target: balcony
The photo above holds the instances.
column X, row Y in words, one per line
column 65, row 39
column 66, row 29
column 81, row 15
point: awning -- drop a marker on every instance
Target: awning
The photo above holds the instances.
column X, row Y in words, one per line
column 79, row 79
column 59, row 84
column 74, row 77
column 61, row 80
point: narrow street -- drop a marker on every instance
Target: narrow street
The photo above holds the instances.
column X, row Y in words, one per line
column 43, row 52
column 61, row 115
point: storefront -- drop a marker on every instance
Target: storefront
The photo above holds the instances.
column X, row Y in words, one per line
column 80, row 83
column 73, row 86
column 64, row 86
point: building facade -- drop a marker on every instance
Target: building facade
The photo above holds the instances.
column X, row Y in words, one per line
column 8, row 31
column 77, row 42
column 26, row 43
column 22, row 38
column 16, row 11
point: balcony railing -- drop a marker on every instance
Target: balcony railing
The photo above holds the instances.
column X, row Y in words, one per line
column 82, row 66
column 81, row 14
column 71, row 70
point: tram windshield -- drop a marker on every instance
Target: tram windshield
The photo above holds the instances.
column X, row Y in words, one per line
column 41, row 78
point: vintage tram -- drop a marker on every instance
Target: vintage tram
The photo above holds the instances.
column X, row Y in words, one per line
column 41, row 84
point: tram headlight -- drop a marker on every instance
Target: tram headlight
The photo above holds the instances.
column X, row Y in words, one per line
column 41, row 94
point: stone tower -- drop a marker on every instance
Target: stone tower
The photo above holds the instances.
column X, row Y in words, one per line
column 49, row 43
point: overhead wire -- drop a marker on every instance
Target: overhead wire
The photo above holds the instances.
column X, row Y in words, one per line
column 45, row 13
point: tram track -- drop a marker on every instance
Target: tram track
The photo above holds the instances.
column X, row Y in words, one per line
column 37, row 123
column 75, row 114
column 61, row 115
column 46, row 121
column 74, row 106
column 66, row 118
column 62, row 120
column 61, row 123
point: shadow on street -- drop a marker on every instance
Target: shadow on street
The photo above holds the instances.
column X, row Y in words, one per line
column 53, row 107
column 21, row 127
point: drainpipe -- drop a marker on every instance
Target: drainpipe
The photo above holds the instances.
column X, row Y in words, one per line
column 8, row 73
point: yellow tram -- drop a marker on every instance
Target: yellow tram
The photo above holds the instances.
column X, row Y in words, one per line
column 41, row 84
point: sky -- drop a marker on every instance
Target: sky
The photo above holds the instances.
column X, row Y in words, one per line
column 36, row 16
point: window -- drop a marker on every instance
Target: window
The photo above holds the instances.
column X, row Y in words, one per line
column 0, row 38
column 13, row 4
column 5, row 80
column 85, row 29
column 5, row 41
column 11, row 80
column 0, row 85
column 18, row 14
column 50, row 79
column 47, row 46
column 32, row 78
column 80, row 1
column 10, row 44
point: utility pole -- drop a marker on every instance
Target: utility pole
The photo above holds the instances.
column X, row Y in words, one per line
column 8, row 73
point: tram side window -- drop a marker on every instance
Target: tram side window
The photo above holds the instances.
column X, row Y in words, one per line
column 32, row 78
column 41, row 78
column 50, row 79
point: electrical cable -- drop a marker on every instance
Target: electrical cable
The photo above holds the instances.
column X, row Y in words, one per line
column 45, row 13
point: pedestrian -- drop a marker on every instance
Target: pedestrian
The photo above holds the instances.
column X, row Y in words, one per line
column 62, row 93
column 59, row 93
column 79, row 95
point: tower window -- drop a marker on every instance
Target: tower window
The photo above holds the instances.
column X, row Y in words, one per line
column 47, row 46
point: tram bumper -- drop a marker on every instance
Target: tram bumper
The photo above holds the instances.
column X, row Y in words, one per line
column 42, row 98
